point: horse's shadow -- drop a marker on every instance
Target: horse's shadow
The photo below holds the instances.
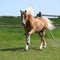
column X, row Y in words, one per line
column 18, row 49
column 12, row 49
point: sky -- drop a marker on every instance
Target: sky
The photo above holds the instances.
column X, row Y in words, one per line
column 13, row 7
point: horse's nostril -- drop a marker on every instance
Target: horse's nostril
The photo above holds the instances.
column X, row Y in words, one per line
column 23, row 24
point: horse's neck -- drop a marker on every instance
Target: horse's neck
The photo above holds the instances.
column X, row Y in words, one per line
column 31, row 19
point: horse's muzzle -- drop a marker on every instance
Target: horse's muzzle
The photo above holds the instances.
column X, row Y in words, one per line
column 23, row 24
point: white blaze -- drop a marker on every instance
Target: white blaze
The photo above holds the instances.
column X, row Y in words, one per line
column 24, row 21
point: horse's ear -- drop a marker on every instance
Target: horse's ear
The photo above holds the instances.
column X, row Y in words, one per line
column 20, row 10
column 25, row 11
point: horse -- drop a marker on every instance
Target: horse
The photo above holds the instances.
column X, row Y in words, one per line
column 35, row 25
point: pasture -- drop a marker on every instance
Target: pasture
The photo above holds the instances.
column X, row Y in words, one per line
column 12, row 43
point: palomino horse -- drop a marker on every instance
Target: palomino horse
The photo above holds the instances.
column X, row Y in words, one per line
column 32, row 25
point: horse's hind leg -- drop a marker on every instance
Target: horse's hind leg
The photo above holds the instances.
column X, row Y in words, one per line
column 43, row 38
column 27, row 41
column 43, row 42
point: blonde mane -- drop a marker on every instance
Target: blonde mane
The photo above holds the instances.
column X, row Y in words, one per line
column 29, row 10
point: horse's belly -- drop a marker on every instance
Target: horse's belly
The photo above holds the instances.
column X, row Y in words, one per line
column 38, row 29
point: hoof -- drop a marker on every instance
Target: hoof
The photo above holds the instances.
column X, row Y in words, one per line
column 40, row 48
column 44, row 46
column 26, row 48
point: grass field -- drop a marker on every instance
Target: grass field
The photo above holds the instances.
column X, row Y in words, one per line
column 12, row 43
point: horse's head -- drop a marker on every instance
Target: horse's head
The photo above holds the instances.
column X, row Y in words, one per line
column 25, row 14
column 24, row 17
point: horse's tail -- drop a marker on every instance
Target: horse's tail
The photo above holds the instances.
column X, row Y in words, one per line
column 50, row 25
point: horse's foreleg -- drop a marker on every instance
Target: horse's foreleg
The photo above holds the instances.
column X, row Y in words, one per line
column 28, row 38
column 27, row 41
column 32, row 31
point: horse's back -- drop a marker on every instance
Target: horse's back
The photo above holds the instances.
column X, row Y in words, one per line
column 38, row 24
column 41, row 22
column 44, row 21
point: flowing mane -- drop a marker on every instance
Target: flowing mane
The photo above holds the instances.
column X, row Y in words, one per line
column 29, row 10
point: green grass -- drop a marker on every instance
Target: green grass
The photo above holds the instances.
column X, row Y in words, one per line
column 10, row 21
column 12, row 43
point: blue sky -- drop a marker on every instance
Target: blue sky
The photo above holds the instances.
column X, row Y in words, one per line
column 12, row 7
